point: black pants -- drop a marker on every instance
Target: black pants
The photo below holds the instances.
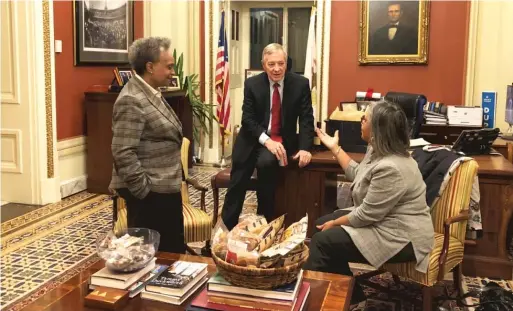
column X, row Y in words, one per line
column 161, row 212
column 267, row 166
column 332, row 250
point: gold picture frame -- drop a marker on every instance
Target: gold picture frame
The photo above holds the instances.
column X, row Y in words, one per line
column 380, row 44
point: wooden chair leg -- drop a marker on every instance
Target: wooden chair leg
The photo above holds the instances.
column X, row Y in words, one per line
column 427, row 298
column 215, row 196
column 396, row 278
column 457, row 277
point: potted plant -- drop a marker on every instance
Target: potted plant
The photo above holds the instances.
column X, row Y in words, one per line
column 202, row 112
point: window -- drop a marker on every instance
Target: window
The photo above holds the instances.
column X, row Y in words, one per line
column 287, row 26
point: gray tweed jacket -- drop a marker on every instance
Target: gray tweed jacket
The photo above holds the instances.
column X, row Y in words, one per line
column 146, row 142
column 390, row 210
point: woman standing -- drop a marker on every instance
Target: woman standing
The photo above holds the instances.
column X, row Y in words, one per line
column 146, row 142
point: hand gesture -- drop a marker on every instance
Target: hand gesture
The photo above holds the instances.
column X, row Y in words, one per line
column 327, row 140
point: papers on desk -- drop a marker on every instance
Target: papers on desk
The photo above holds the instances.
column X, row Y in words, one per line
column 418, row 142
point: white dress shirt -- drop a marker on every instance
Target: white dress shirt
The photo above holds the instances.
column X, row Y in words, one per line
column 264, row 136
column 392, row 31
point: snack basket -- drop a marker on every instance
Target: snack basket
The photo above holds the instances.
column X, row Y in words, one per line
column 260, row 278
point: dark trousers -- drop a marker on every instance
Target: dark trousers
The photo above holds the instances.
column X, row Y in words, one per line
column 161, row 212
column 332, row 250
column 266, row 165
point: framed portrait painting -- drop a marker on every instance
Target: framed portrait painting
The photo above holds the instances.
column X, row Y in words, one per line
column 394, row 32
column 103, row 31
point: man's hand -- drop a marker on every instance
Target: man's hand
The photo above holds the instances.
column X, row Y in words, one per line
column 277, row 149
column 304, row 157
column 327, row 225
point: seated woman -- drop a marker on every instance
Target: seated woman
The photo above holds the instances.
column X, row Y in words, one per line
column 390, row 221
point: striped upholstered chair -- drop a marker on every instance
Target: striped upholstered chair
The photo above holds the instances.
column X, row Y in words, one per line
column 197, row 222
column 450, row 215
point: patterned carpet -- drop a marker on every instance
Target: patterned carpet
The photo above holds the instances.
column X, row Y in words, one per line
column 379, row 301
column 44, row 248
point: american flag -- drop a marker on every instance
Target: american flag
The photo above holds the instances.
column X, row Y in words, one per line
column 223, row 81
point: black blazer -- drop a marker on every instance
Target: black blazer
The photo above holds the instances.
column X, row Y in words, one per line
column 433, row 166
column 296, row 104
column 404, row 42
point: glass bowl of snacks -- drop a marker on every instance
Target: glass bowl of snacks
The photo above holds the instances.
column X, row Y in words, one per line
column 128, row 250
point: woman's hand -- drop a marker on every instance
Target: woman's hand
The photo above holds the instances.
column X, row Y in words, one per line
column 327, row 225
column 327, row 140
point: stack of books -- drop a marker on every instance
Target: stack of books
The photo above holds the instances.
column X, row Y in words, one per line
column 435, row 113
column 132, row 282
column 177, row 283
column 221, row 295
column 112, row 290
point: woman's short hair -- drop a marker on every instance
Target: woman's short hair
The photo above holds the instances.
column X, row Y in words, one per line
column 273, row 48
column 146, row 50
column 390, row 129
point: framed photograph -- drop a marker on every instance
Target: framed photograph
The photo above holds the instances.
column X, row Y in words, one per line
column 125, row 75
column 103, row 31
column 252, row 72
column 173, row 86
column 394, row 32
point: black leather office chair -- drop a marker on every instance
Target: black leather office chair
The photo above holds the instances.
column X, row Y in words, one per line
column 413, row 106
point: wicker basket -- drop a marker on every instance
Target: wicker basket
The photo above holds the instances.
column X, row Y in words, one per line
column 258, row 278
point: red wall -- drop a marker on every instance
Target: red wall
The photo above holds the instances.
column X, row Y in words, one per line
column 442, row 79
column 71, row 81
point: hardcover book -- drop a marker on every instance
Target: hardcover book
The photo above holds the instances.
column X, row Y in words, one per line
column 178, row 278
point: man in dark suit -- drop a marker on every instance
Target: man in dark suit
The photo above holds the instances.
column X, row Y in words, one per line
column 273, row 102
column 395, row 37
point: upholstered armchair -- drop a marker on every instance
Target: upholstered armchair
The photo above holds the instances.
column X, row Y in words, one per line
column 449, row 215
column 197, row 222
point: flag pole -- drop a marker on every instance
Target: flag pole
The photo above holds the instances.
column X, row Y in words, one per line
column 222, row 161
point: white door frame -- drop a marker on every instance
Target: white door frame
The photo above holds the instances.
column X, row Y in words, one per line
column 31, row 175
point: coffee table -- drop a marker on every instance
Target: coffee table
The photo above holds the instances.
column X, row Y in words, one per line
column 328, row 291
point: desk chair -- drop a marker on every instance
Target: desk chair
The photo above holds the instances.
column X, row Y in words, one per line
column 413, row 106
column 449, row 215
column 197, row 223
column 222, row 180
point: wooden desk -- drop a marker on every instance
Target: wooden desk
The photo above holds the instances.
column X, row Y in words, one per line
column 98, row 105
column 302, row 191
column 327, row 291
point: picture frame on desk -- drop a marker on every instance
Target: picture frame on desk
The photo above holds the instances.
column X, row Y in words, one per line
column 99, row 40
column 252, row 72
column 174, row 85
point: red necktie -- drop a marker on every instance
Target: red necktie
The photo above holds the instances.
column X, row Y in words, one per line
column 276, row 115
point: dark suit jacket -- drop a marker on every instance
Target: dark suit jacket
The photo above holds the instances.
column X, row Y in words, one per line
column 405, row 41
column 433, row 166
column 296, row 104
